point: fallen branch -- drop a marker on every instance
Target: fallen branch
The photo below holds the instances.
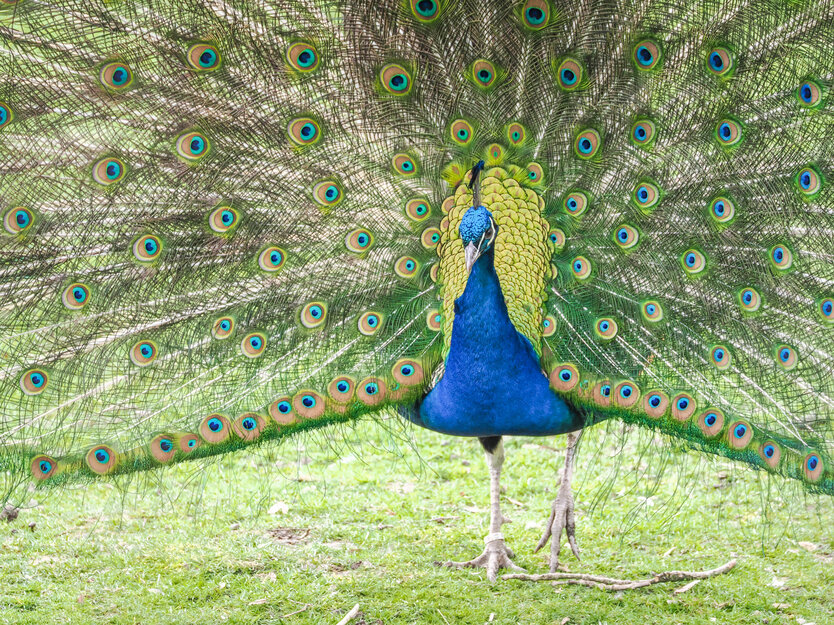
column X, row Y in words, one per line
column 350, row 615
column 613, row 584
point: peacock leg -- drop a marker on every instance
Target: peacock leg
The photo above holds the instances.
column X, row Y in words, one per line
column 561, row 514
column 496, row 554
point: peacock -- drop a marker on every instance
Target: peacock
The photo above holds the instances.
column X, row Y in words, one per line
column 226, row 222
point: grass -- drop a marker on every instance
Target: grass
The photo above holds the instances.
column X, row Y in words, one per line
column 301, row 532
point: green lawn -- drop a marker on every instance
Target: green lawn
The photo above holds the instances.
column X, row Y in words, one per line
column 336, row 518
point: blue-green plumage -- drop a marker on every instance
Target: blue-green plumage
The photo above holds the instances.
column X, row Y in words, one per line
column 493, row 383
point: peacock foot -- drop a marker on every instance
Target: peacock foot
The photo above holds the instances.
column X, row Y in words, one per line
column 496, row 556
column 561, row 520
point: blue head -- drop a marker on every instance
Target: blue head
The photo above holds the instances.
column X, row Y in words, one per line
column 477, row 230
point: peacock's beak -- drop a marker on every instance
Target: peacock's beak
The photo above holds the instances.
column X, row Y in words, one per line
column 471, row 252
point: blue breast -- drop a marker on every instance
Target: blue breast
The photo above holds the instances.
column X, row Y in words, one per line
column 493, row 383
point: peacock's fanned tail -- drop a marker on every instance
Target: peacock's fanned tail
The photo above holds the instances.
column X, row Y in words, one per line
column 225, row 222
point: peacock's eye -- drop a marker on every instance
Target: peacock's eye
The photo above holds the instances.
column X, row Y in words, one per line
column 215, row 425
column 683, row 403
column 308, row 401
column 284, row 407
column 102, row 456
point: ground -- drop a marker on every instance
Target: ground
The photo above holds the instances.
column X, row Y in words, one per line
column 301, row 532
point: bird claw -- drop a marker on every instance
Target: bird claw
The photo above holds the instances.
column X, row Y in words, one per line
column 561, row 520
column 496, row 556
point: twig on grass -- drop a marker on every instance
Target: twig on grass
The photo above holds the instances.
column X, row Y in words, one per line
column 613, row 584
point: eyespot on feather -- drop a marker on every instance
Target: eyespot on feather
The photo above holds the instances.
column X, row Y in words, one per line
column 683, row 406
column 812, row 467
column 569, row 74
column 786, row 356
column 109, row 171
column 327, row 193
column 433, row 320
column 535, row 174
column 76, row 296
column 223, row 328
column 143, row 353
column 720, row 357
column 215, row 428
column 101, row 459
column 722, row 209
column 809, row 181
column 430, row 238
column 192, row 146
column 626, row 236
column 34, row 381
column 304, row 131
column 313, row 315
column 581, row 268
column 516, row 133
column 417, row 209
column 484, row 73
column 693, row 262
column 408, row 372
column 189, row 442
column 602, row 394
column 749, row 299
column 223, row 219
column 564, row 378
column 720, row 62
column 655, row 404
column 249, row 426
column 253, row 345
column 395, row 79
column 461, row 132
column 643, row 133
column 303, row 56
column 771, row 453
column 43, row 467
column 162, row 448
column 359, row 240
column 652, row 311
column 711, row 422
column 809, row 94
column 308, row 404
column 204, row 57
column 646, row 196
column 739, row 434
column 6, row 115
column 728, row 132
column 147, row 248
column 425, row 10
column 606, row 328
column 548, row 326
column 646, row 55
column 369, row 323
column 535, row 14
column 781, row 257
column 281, row 411
column 371, row 391
column 575, row 203
column 117, row 76
column 18, row 220
column 341, row 389
column 272, row 259
column 404, row 165
column 556, row 237
column 626, row 394
column 587, row 144
column 406, row 267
